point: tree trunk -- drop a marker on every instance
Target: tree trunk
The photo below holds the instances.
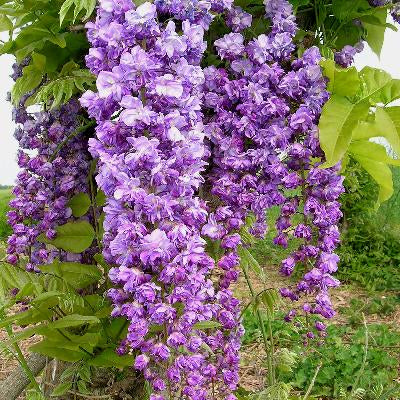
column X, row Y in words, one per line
column 17, row 381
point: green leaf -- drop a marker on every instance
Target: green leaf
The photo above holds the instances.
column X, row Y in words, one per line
column 242, row 394
column 101, row 198
column 349, row 34
column 64, row 9
column 85, row 373
column 118, row 328
column 346, row 10
column 327, row 52
column 32, row 76
column 372, row 157
column 56, row 350
column 372, row 151
column 79, row 276
column 394, row 115
column 15, row 277
column 373, row 82
column 69, row 372
column 74, row 237
column 6, row 47
column 68, row 83
column 249, row 261
column 382, row 174
column 99, row 258
column 388, row 93
column 5, row 23
column 299, row 3
column 80, row 5
column 339, row 118
column 203, row 325
column 90, row 339
column 61, row 389
column 80, row 204
column 109, row 358
column 376, row 27
column 39, row 61
column 342, row 81
column 82, row 387
column 38, row 35
column 270, row 299
column 46, row 296
column 73, row 320
column 386, row 124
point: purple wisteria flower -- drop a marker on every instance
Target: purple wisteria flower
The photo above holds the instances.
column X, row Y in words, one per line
column 150, row 141
column 49, row 177
column 238, row 20
column 379, row 3
column 345, row 57
column 262, row 126
column 395, row 12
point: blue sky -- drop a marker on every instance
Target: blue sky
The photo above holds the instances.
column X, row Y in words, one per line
column 389, row 61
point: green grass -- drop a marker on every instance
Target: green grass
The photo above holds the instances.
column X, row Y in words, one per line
column 265, row 251
column 5, row 197
column 341, row 355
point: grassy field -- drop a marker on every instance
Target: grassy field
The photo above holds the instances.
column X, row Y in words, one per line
column 5, row 196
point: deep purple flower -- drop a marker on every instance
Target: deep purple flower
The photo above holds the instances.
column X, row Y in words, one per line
column 48, row 179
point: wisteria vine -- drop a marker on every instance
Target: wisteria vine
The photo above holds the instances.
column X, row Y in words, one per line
column 151, row 147
column 187, row 154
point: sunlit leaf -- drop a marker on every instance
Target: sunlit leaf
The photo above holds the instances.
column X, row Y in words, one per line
column 339, row 117
column 386, row 124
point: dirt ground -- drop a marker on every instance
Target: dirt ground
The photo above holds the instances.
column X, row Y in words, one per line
column 253, row 372
column 253, row 359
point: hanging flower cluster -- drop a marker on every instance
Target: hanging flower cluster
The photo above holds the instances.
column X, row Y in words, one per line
column 150, row 145
column 264, row 142
column 52, row 172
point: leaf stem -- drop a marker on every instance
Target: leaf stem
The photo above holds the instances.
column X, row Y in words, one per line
column 312, row 383
column 268, row 346
column 21, row 359
column 94, row 205
column 71, row 136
